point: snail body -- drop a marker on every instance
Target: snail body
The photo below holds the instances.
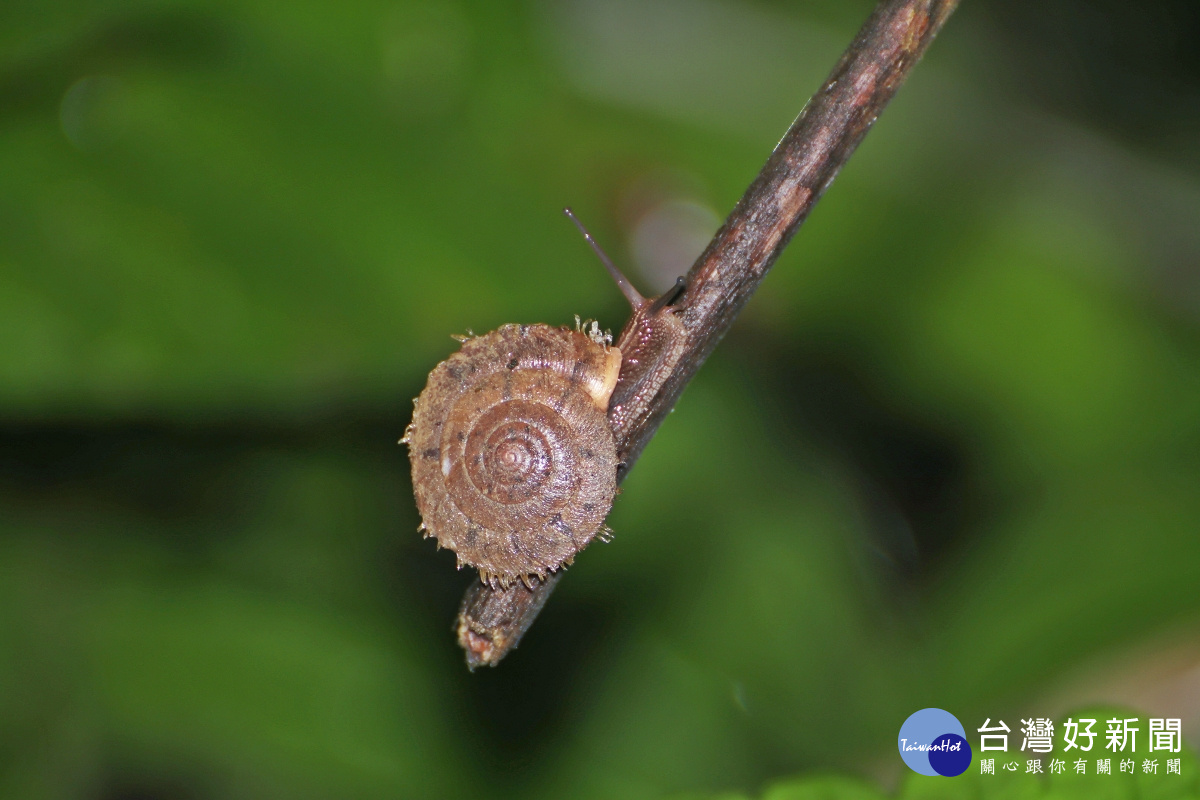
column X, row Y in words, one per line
column 651, row 344
column 514, row 462
column 514, row 440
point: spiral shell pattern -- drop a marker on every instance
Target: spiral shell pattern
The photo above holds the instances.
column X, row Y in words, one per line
column 514, row 463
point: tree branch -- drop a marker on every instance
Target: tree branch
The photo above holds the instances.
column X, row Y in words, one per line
column 803, row 164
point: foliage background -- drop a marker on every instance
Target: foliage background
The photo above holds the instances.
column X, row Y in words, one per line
column 947, row 457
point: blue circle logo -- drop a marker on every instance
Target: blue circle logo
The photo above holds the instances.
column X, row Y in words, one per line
column 933, row 742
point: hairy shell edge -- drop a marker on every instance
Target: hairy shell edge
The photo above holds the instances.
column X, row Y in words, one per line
column 514, row 461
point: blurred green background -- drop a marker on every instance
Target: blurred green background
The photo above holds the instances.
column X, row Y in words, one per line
column 949, row 456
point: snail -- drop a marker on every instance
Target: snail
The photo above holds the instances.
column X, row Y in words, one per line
column 513, row 440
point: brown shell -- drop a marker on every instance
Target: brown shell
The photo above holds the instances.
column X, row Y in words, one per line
column 514, row 463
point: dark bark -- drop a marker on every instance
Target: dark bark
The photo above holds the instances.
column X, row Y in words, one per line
column 727, row 273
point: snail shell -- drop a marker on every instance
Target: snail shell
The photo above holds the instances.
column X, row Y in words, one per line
column 514, row 462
